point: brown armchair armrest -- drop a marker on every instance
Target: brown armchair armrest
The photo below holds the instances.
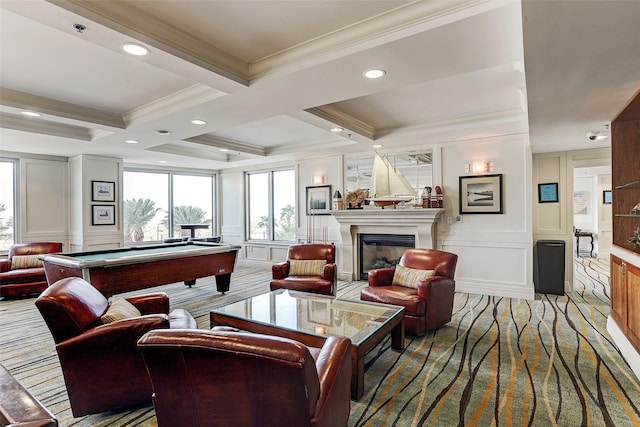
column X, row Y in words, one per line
column 96, row 347
column 5, row 265
column 335, row 378
column 280, row 270
column 381, row 276
column 151, row 303
column 328, row 272
column 429, row 287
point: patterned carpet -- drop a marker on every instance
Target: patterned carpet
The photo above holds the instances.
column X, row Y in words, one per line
column 501, row 361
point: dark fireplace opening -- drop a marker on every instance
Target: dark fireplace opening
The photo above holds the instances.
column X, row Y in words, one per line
column 382, row 250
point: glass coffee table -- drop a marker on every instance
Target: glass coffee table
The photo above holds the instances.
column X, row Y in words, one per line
column 311, row 318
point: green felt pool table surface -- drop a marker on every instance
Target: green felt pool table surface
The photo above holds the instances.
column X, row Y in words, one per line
column 125, row 269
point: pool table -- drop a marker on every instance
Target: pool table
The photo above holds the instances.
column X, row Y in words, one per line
column 120, row 270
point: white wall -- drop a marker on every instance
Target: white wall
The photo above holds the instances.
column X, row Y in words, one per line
column 605, row 219
column 495, row 251
column 84, row 234
column 43, row 201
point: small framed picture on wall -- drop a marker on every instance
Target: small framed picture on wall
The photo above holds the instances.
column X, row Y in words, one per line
column 103, row 191
column 607, row 197
column 548, row 192
column 103, row 215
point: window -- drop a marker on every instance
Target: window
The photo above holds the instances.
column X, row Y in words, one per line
column 7, row 202
column 272, row 205
column 148, row 196
column 193, row 203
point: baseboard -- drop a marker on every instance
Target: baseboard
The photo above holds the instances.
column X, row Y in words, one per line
column 624, row 345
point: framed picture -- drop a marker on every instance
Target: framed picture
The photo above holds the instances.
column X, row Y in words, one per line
column 480, row 194
column 103, row 215
column 548, row 192
column 607, row 197
column 103, row 191
column 318, row 200
column 581, row 202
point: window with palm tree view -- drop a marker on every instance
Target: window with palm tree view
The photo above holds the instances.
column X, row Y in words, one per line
column 7, row 177
column 272, row 205
column 156, row 203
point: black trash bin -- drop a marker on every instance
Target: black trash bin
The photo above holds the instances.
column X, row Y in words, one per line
column 548, row 266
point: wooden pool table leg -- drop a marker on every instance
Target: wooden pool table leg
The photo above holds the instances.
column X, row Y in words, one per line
column 222, row 282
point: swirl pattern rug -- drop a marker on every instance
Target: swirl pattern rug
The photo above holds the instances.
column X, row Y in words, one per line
column 499, row 362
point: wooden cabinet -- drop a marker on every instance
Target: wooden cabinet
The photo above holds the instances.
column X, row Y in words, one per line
column 625, row 176
column 618, row 285
column 625, row 298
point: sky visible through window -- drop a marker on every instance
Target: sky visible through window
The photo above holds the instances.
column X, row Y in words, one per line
column 6, row 204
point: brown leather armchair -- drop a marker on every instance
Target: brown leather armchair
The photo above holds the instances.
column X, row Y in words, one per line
column 225, row 378
column 427, row 305
column 22, row 273
column 101, row 365
column 294, row 274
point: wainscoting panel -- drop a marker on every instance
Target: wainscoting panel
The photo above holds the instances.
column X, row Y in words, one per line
column 495, row 268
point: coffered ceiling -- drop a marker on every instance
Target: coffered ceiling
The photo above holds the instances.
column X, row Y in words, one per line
column 271, row 78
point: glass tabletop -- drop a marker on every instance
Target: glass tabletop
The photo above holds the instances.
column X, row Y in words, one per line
column 313, row 314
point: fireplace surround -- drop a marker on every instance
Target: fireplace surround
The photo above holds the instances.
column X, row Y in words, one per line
column 419, row 223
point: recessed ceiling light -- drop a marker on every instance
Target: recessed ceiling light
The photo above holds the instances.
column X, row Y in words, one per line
column 162, row 161
column 30, row 113
column 336, row 129
column 224, row 149
column 374, row 73
column 198, row 122
column 162, row 132
column 135, row 49
column 131, row 141
column 377, row 145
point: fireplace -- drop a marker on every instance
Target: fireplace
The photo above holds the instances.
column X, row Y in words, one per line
column 417, row 223
column 382, row 250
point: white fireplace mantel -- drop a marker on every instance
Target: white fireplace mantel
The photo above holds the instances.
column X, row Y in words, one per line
column 421, row 223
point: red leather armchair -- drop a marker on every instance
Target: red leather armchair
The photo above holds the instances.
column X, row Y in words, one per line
column 225, row 378
column 101, row 365
column 294, row 274
column 427, row 305
column 22, row 273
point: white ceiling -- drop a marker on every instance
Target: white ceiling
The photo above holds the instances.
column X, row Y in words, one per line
column 271, row 77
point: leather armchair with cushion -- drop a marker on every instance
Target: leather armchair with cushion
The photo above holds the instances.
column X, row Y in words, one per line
column 100, row 362
column 310, row 267
column 227, row 378
column 22, row 273
column 422, row 282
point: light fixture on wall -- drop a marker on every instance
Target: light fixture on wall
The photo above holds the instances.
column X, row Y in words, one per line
column 319, row 179
column 478, row 167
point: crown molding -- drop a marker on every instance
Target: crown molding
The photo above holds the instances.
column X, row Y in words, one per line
column 509, row 115
column 190, row 152
column 189, row 97
column 45, row 127
column 127, row 19
column 228, row 144
column 403, row 21
column 25, row 101
column 344, row 120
